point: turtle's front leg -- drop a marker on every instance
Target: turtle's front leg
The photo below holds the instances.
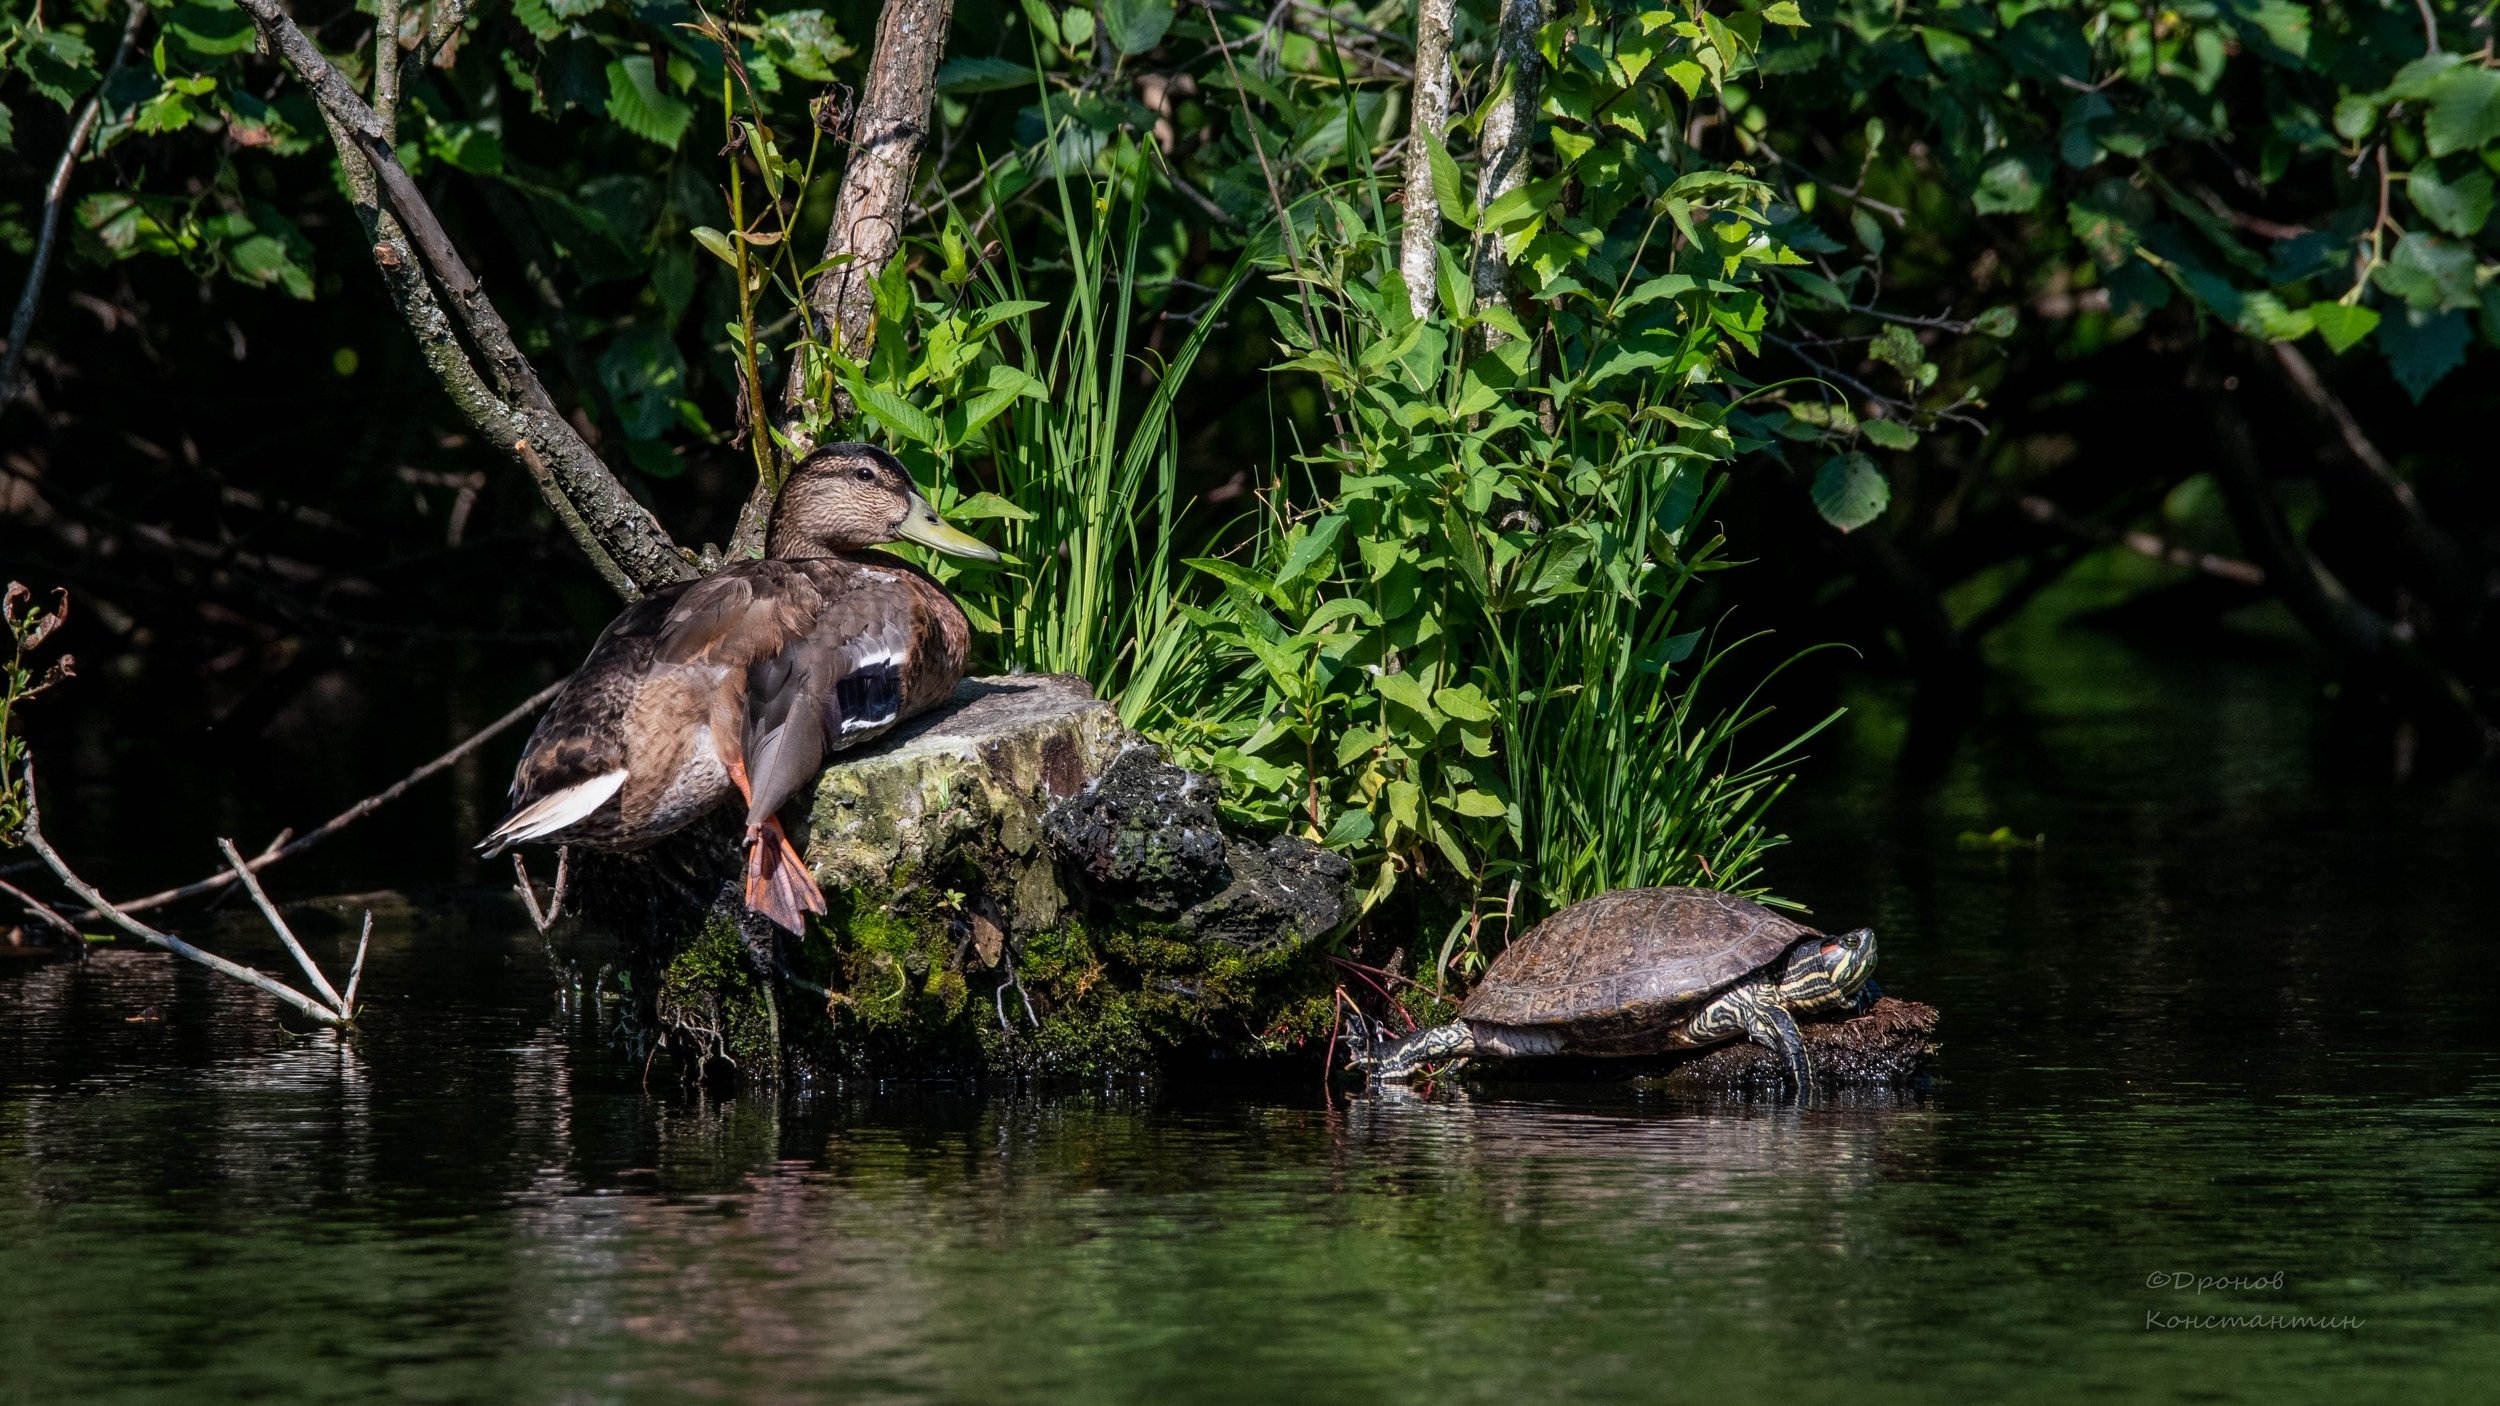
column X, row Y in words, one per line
column 1769, row 1025
column 1399, row 1059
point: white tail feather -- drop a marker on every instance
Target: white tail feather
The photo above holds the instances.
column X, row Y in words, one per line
column 552, row 813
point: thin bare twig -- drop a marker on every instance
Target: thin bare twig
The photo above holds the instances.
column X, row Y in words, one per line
column 356, row 973
column 2145, row 544
column 33, row 836
column 41, row 909
column 286, row 935
column 352, row 814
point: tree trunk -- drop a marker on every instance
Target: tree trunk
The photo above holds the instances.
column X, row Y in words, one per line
column 1509, row 132
column 887, row 135
column 1419, row 253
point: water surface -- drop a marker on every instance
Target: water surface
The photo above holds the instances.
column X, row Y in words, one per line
column 2230, row 1020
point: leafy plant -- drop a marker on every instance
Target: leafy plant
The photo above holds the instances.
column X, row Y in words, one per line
column 29, row 625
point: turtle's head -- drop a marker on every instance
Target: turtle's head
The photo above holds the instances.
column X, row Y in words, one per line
column 1827, row 977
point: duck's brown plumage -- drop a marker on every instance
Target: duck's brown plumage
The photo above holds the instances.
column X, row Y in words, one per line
column 737, row 686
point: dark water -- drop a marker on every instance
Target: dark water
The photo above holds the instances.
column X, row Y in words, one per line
column 2230, row 1020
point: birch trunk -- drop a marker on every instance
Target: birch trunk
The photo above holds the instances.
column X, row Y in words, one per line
column 1419, row 242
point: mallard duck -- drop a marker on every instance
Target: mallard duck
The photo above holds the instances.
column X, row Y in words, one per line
column 738, row 683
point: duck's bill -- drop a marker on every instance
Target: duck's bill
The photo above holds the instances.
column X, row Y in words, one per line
column 921, row 524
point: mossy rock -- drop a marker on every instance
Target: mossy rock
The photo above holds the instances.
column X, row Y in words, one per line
column 969, row 934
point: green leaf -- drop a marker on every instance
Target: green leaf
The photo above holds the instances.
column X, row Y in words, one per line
column 1357, row 742
column 2429, row 272
column 1134, row 26
column 718, row 243
column 1784, row 12
column 2341, row 326
column 1999, row 321
column 1351, row 828
column 1311, row 551
column 1403, row 690
column 1466, row 703
column 895, row 413
column 2012, row 185
column 1235, row 574
column 57, row 63
column 2465, row 110
column 8, row 128
column 1479, row 804
column 987, row 505
column 535, row 17
column 1850, row 492
column 1446, row 190
column 1890, row 434
column 636, row 103
column 984, row 75
column 2422, row 346
column 212, row 31
column 2461, row 207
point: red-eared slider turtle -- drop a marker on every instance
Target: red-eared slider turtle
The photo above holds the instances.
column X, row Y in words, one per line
column 1643, row 971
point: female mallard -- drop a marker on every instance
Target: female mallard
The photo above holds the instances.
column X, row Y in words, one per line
column 741, row 681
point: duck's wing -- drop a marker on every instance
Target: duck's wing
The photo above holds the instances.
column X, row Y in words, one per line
column 685, row 641
column 834, row 688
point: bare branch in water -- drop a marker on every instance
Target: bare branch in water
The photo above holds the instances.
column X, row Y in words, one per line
column 286, row 935
column 33, row 836
column 356, row 973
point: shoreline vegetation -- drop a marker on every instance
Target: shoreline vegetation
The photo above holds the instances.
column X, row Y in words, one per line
column 1525, row 333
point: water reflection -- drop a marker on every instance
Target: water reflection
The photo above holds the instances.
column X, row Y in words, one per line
column 2227, row 1022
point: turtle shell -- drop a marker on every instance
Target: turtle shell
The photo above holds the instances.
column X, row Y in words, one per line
column 1613, row 972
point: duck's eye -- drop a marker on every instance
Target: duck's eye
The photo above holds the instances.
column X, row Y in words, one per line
column 867, row 475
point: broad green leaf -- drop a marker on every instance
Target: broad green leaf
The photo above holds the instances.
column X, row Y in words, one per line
column 1466, row 703
column 987, row 505
column 2341, row 326
column 1235, row 574
column 2422, row 346
column 637, row 104
column 1357, row 742
column 2429, row 272
column 1850, row 492
column 984, row 75
column 2465, row 110
column 1999, row 321
column 718, row 243
column 1134, row 26
column 2461, row 207
column 57, row 63
column 1311, row 551
column 1478, row 804
column 1784, row 12
column 895, row 413
column 1446, row 190
column 1890, row 434
column 1403, row 690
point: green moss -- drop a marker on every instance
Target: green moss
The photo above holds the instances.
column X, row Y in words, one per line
column 910, row 994
column 711, row 1002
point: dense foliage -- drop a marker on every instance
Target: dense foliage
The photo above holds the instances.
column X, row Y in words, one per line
column 1442, row 589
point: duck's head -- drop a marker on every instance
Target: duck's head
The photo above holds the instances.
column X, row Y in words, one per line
column 847, row 496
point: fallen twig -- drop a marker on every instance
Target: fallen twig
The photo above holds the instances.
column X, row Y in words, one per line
column 2046, row 513
column 544, row 919
column 32, row 834
column 286, row 935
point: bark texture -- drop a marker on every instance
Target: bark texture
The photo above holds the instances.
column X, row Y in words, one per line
column 1509, row 135
column 1419, row 251
column 632, row 551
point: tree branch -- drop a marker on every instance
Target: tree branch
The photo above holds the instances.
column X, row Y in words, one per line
column 2444, row 568
column 2345, row 625
column 634, row 552
column 22, row 321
